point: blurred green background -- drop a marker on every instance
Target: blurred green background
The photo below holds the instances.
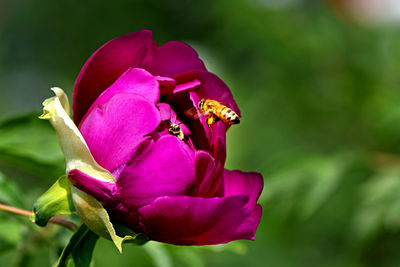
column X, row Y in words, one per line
column 320, row 101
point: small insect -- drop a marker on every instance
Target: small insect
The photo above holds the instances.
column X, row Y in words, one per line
column 176, row 130
column 215, row 111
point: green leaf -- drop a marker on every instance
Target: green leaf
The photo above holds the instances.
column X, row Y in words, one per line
column 10, row 232
column 189, row 256
column 79, row 250
column 159, row 254
column 31, row 144
column 55, row 201
column 327, row 173
column 9, row 193
column 11, row 227
column 379, row 206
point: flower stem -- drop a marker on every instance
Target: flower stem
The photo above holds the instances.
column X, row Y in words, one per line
column 71, row 226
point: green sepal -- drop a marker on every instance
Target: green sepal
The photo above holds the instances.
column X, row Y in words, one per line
column 79, row 250
column 138, row 238
column 97, row 219
column 55, row 201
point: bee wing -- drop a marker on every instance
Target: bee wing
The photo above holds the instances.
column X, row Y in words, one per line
column 192, row 113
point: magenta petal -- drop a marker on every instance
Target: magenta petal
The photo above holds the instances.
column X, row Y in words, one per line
column 218, row 149
column 113, row 130
column 135, row 81
column 173, row 88
column 255, row 217
column 243, row 183
column 186, row 86
column 174, row 58
column 198, row 221
column 205, row 173
column 166, row 113
column 107, row 64
column 165, row 82
column 251, row 223
column 102, row 190
column 161, row 168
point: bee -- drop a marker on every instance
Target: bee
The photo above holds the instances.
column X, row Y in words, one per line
column 215, row 111
column 176, row 130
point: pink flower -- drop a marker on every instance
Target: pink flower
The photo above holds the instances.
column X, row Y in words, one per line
column 175, row 191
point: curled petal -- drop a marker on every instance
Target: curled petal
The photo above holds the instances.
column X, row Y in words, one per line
column 243, row 183
column 186, row 86
column 173, row 58
column 114, row 129
column 166, row 113
column 184, row 220
column 166, row 84
column 254, row 219
column 218, row 150
column 63, row 99
column 107, row 64
column 102, row 190
column 166, row 89
column 76, row 152
column 205, row 173
column 133, row 81
column 161, row 168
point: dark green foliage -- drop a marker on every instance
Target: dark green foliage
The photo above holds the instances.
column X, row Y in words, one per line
column 31, row 145
column 10, row 193
column 78, row 252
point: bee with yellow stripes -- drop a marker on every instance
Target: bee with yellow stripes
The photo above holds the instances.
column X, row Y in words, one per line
column 215, row 111
column 176, row 130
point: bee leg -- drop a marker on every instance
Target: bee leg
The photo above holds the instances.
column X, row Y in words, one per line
column 210, row 120
column 181, row 135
